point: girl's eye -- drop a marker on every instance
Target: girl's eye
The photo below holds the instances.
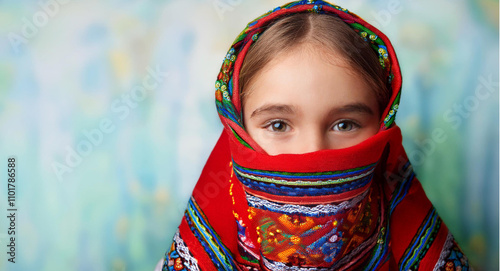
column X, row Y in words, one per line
column 278, row 126
column 345, row 126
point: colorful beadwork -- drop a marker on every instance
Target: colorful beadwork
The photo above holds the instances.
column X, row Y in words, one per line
column 304, row 184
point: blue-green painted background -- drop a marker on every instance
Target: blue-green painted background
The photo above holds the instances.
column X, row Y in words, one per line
column 112, row 202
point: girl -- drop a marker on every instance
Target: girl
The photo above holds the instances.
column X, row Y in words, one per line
column 309, row 172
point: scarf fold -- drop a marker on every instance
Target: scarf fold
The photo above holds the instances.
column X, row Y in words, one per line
column 357, row 208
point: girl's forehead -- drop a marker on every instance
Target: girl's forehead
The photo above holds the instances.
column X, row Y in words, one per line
column 308, row 83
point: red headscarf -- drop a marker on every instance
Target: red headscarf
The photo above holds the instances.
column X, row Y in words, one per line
column 357, row 208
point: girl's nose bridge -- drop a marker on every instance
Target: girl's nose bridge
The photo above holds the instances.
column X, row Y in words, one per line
column 315, row 140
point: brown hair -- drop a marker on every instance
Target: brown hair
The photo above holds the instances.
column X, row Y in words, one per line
column 327, row 32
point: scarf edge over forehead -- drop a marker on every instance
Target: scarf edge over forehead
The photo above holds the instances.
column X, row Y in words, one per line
column 356, row 208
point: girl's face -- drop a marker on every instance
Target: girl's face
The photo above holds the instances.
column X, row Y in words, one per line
column 301, row 102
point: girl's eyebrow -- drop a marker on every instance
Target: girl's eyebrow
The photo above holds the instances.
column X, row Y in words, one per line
column 352, row 108
column 290, row 109
column 274, row 108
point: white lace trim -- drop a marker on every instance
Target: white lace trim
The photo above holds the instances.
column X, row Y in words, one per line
column 189, row 261
column 444, row 252
column 321, row 209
